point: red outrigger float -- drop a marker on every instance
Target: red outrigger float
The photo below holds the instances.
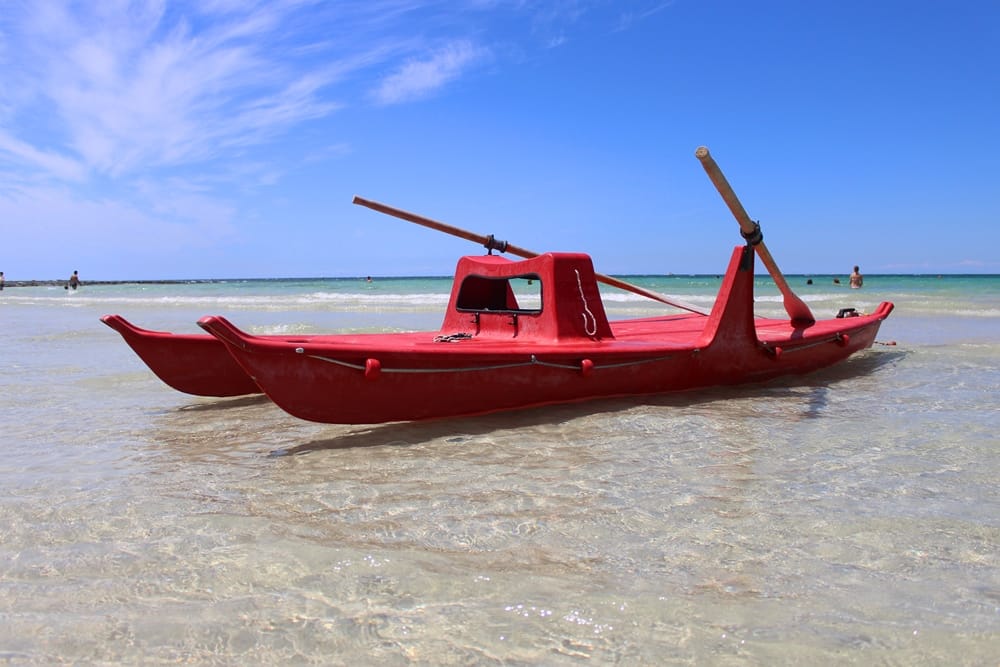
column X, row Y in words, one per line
column 191, row 363
column 498, row 351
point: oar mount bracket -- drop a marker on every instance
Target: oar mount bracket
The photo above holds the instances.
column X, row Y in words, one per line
column 755, row 236
column 493, row 244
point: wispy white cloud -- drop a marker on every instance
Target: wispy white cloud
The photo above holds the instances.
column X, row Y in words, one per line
column 129, row 115
column 418, row 78
column 140, row 87
column 123, row 87
column 60, row 166
column 634, row 14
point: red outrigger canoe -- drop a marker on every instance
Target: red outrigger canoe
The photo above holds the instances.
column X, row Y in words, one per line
column 495, row 353
column 491, row 354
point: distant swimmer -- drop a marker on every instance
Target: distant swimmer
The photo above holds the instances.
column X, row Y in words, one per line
column 857, row 280
column 74, row 281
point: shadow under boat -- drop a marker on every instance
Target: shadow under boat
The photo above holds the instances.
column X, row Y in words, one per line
column 227, row 404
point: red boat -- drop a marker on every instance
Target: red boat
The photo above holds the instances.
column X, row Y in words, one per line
column 498, row 351
column 492, row 354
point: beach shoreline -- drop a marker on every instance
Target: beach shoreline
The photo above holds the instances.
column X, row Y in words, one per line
column 60, row 283
column 823, row 278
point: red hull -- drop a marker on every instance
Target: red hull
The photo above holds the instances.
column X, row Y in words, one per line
column 498, row 356
column 192, row 363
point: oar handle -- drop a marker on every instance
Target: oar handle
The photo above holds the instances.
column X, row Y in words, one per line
column 485, row 241
column 722, row 185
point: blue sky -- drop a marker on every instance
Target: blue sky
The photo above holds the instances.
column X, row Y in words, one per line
column 226, row 138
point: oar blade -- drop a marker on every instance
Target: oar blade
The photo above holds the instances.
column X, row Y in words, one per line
column 797, row 309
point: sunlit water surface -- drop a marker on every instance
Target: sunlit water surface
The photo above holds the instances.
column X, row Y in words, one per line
column 849, row 517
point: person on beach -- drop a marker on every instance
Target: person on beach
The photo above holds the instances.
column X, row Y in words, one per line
column 1, row 281
column 857, row 280
column 74, row 280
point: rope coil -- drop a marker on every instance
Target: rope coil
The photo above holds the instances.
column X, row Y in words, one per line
column 452, row 338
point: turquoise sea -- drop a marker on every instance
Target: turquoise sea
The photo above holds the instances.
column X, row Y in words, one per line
column 848, row 517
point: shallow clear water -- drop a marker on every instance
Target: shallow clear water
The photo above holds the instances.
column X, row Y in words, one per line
column 849, row 517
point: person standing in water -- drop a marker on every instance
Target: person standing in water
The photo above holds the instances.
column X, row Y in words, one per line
column 1, row 281
column 74, row 280
column 857, row 280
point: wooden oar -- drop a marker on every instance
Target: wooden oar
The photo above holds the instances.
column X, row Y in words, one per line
column 490, row 243
column 794, row 306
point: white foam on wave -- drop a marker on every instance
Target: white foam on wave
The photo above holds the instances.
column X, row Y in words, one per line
column 627, row 298
column 267, row 302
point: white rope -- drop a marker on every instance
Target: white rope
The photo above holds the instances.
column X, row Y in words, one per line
column 836, row 338
column 533, row 361
column 589, row 326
